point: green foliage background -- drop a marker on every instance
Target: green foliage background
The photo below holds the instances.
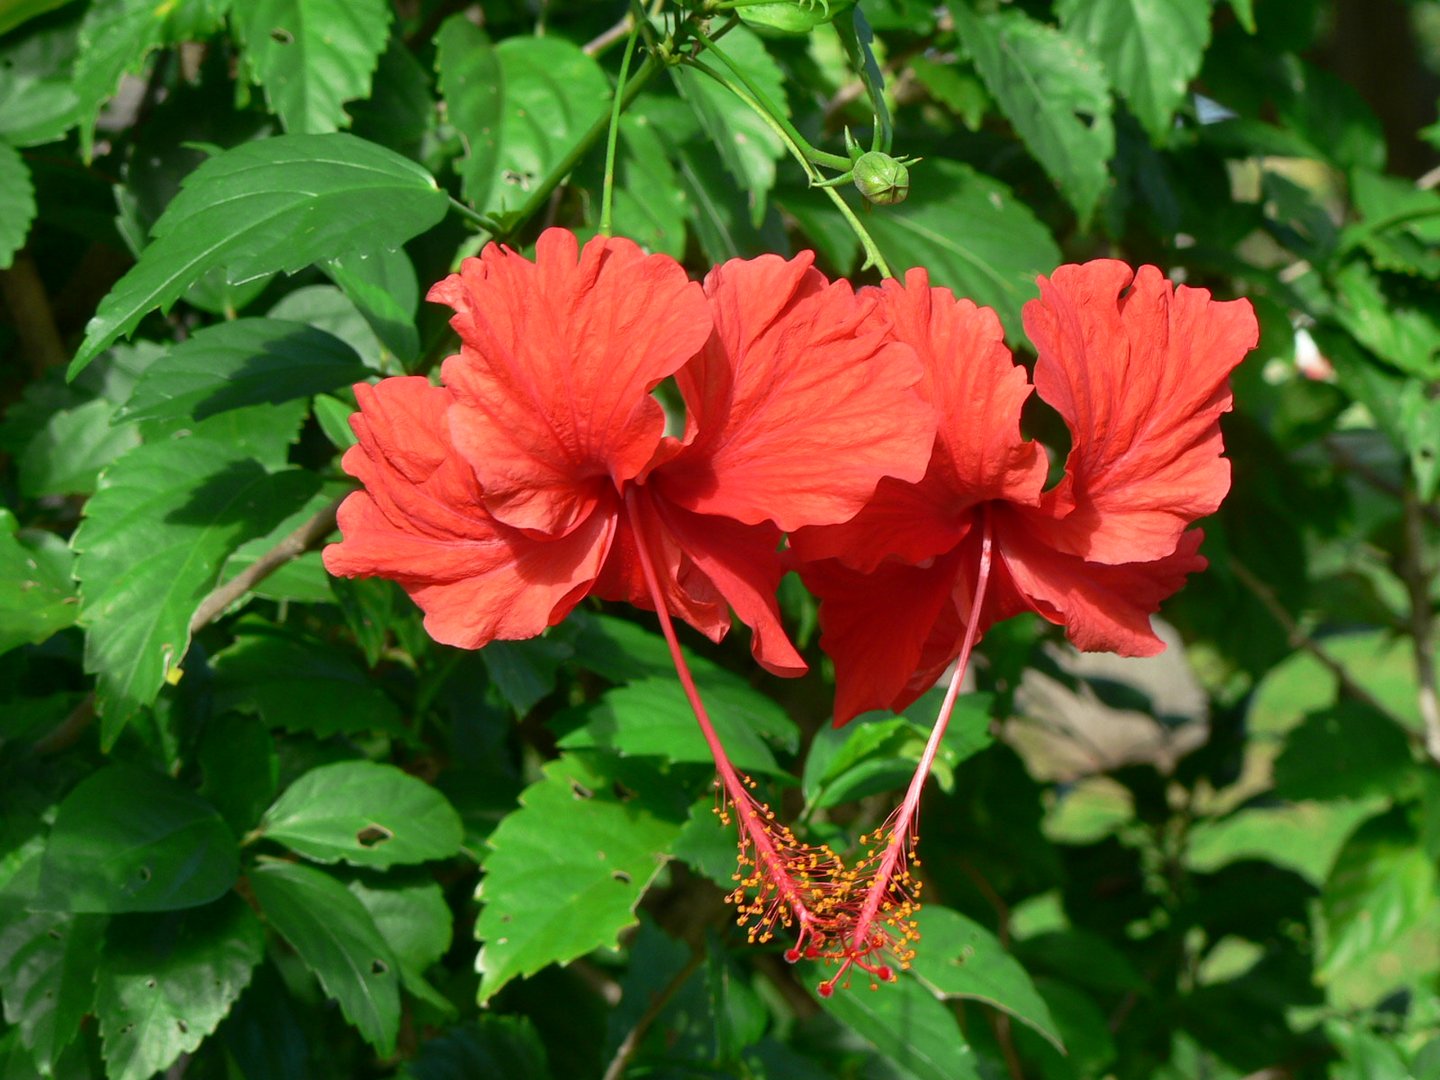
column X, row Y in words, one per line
column 254, row 823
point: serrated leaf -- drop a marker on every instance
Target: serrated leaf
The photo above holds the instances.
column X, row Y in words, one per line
column 37, row 593
column 65, row 457
column 1053, row 92
column 1151, row 49
column 1399, row 223
column 959, row 958
column 336, row 937
column 415, row 922
column 164, row 983
column 17, row 203
column 653, row 718
column 553, row 93
column 244, row 362
column 154, row 537
column 1400, row 326
column 114, row 38
column 37, row 97
column 567, row 868
column 382, row 285
column 47, row 978
column 903, row 1021
column 365, row 814
column 472, row 86
column 746, row 144
column 271, row 205
column 126, row 839
column 1381, row 886
column 973, row 235
column 302, row 685
column 312, row 56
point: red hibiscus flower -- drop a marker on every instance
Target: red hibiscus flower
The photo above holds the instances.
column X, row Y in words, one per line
column 1139, row 371
column 540, row 472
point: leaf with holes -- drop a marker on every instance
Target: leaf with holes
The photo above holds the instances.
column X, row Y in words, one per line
column 274, row 204
column 47, row 977
column 312, row 56
column 1151, row 49
column 164, row 982
column 336, row 937
column 126, row 839
column 1053, row 91
column 959, row 958
column 365, row 814
column 567, row 868
column 151, row 546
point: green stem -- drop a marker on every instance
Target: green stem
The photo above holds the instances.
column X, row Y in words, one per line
column 607, row 197
column 472, row 216
column 797, row 147
column 767, row 109
column 578, row 150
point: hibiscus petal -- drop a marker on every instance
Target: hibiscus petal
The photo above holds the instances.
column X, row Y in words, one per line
column 800, row 402
column 1141, row 380
column 1104, row 608
column 421, row 522
column 881, row 628
column 978, row 391
column 557, row 361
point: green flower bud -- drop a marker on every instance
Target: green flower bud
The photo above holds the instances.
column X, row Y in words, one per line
column 882, row 179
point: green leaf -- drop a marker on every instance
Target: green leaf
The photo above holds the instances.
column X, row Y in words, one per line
column 115, row 38
column 1346, row 752
column 1399, row 223
column 568, row 867
column 154, row 537
column 472, row 86
column 18, row 12
column 553, row 93
column 972, row 234
column 652, row 718
column 312, row 56
column 383, row 286
column 37, row 594
column 747, row 145
column 336, row 937
column 241, row 769
column 365, row 814
column 1382, row 885
column 47, row 978
column 1245, row 13
column 37, row 98
column 17, row 203
column 302, row 685
column 525, row 671
column 625, row 652
column 1151, row 49
column 126, row 839
column 905, row 1022
column 1053, row 92
column 274, row 204
column 244, row 362
column 415, row 922
column 65, row 457
column 1400, row 326
column 164, row 982
column 959, row 958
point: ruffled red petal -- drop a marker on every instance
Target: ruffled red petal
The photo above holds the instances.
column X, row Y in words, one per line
column 1138, row 368
column 800, row 402
column 421, row 521
column 557, row 361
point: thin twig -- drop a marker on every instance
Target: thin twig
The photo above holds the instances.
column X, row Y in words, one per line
column 631, row 1043
column 602, row 41
column 308, row 535
column 1417, row 573
column 1299, row 639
